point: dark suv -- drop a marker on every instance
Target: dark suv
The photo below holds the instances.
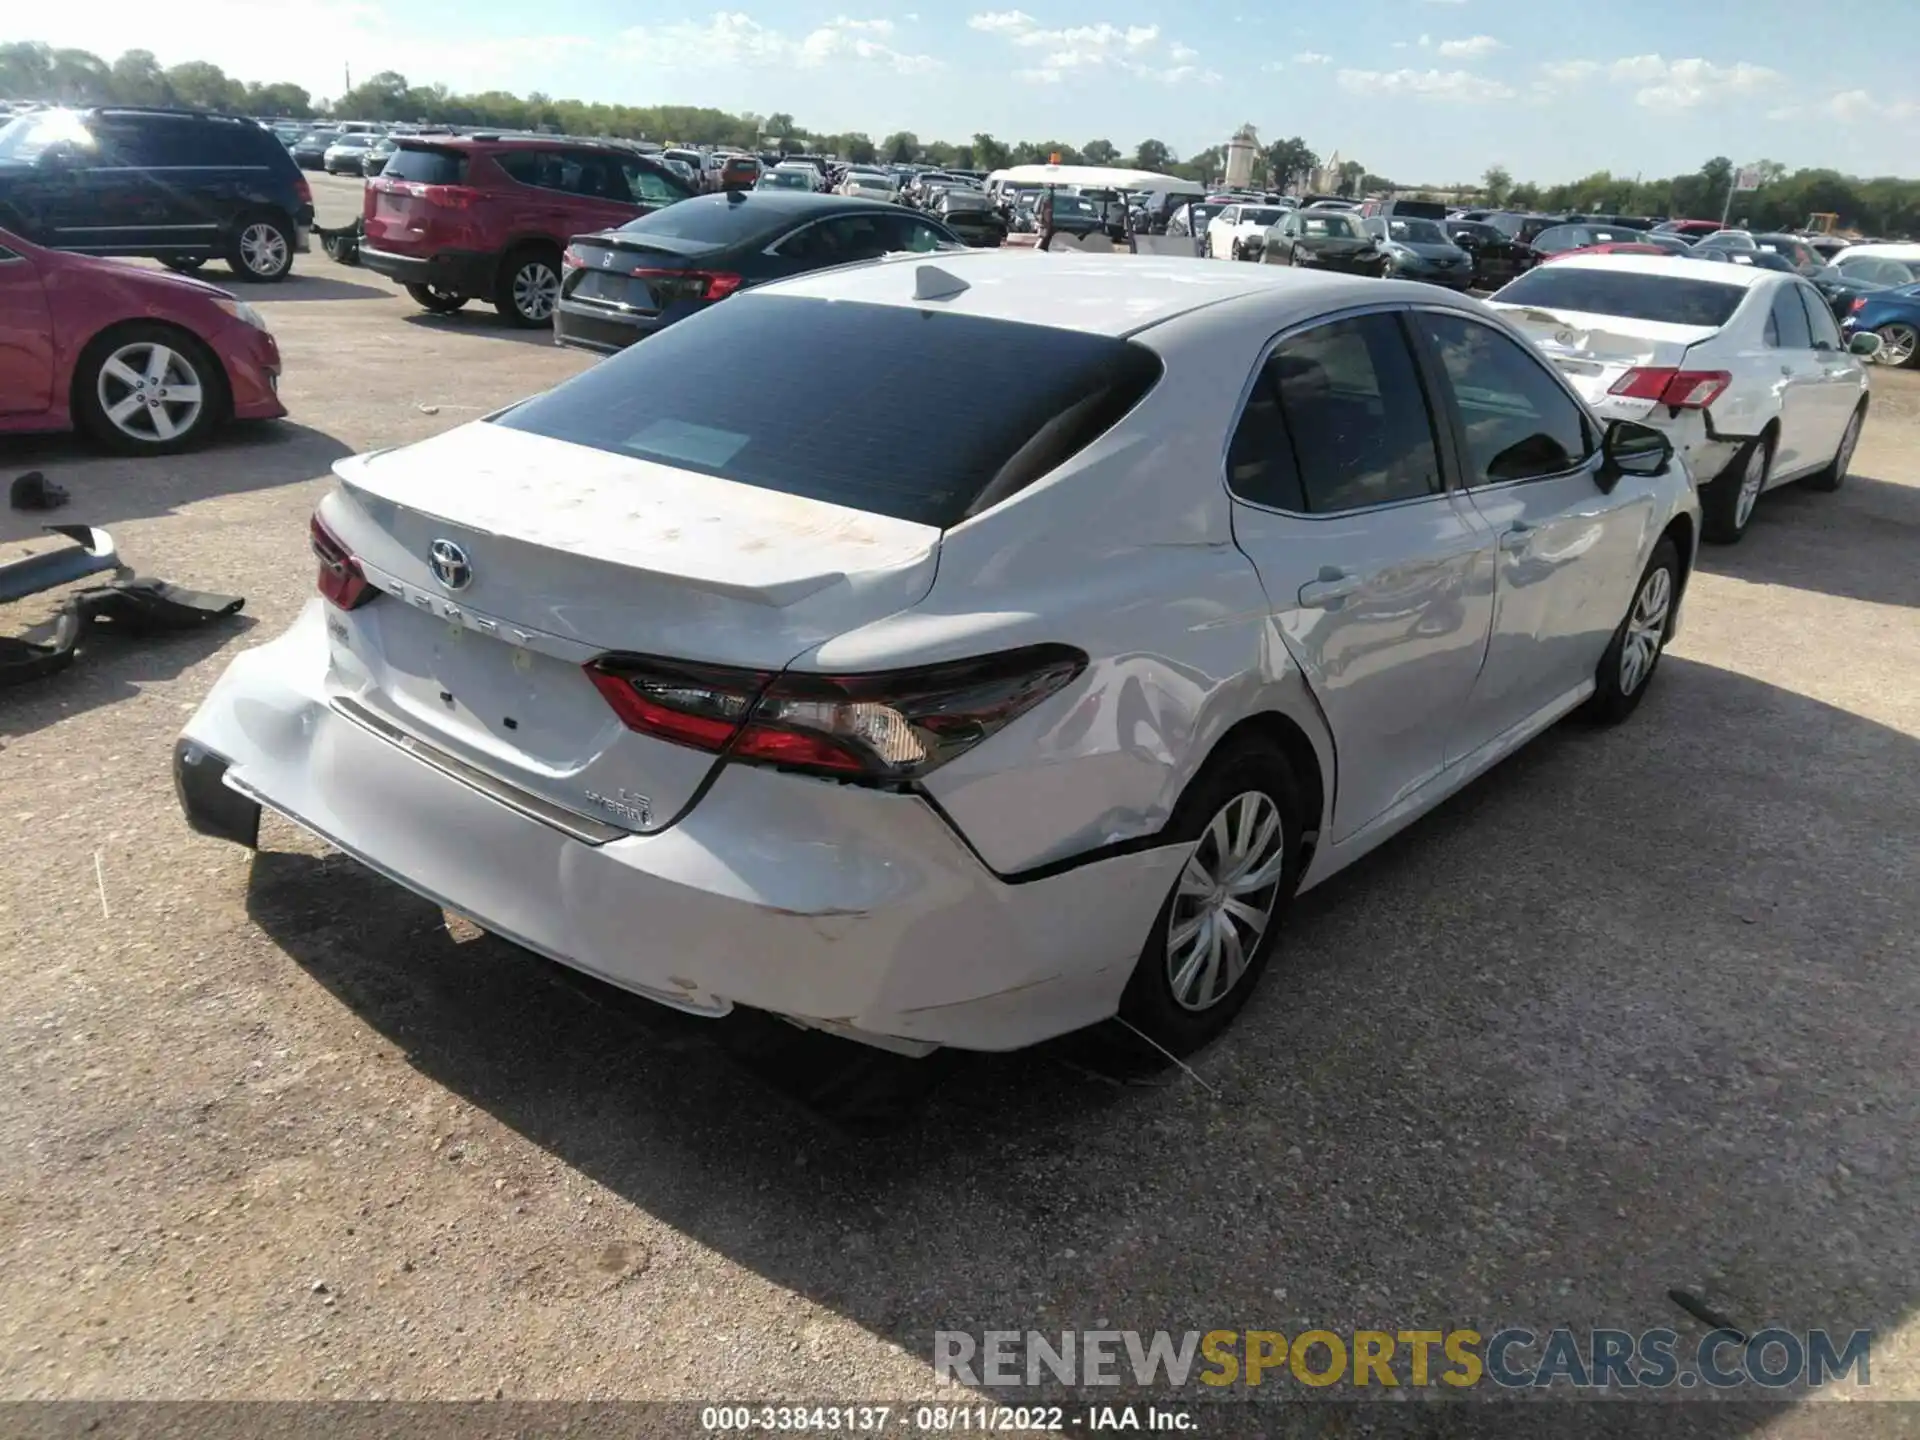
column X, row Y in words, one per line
column 456, row 218
column 179, row 186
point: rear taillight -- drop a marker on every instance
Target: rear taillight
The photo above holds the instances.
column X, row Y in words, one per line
column 896, row 725
column 341, row 579
column 1859, row 304
column 670, row 285
column 448, row 197
column 1682, row 389
column 303, row 190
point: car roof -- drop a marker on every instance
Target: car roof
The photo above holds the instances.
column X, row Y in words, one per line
column 1745, row 275
column 1115, row 295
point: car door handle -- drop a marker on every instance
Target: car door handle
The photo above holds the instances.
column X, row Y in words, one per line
column 1516, row 537
column 1330, row 589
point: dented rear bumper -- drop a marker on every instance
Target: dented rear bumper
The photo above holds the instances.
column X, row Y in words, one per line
column 849, row 908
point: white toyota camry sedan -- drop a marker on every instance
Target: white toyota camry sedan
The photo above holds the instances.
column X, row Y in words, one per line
column 960, row 652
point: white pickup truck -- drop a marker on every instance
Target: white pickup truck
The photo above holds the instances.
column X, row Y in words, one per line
column 1745, row 369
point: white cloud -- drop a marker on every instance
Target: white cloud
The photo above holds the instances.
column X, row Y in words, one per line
column 1133, row 49
column 733, row 38
column 1472, row 48
column 1459, row 86
column 1312, row 57
column 1850, row 106
column 1571, row 72
column 1683, row 84
column 1426, row 41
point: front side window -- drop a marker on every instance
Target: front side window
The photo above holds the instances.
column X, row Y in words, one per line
column 1517, row 421
column 1337, row 421
column 649, row 187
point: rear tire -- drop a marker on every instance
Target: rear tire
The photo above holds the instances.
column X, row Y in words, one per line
column 1186, row 988
column 260, row 248
column 529, row 287
column 1831, row 478
column 1727, row 502
column 439, row 302
column 1626, row 670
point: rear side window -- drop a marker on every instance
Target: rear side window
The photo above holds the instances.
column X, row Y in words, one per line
column 1337, row 421
column 1787, row 322
column 1628, row 294
column 424, row 166
column 1826, row 334
column 843, row 417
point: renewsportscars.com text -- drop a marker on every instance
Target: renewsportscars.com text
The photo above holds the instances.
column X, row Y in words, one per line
column 1510, row 1358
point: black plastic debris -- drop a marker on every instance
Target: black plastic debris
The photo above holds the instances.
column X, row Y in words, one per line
column 342, row 243
column 129, row 604
column 33, row 491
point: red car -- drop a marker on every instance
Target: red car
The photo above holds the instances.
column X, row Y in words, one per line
column 1692, row 229
column 459, row 218
column 144, row 361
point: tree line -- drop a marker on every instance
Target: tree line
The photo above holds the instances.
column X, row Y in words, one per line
column 30, row 70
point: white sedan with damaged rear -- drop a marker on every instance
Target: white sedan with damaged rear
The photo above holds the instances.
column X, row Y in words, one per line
column 1745, row 369
column 1000, row 661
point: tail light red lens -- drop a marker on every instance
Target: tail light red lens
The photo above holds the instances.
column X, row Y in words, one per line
column 303, row 190
column 448, row 197
column 1859, row 304
column 1681, row 389
column 892, row 726
column 670, row 285
column 341, row 579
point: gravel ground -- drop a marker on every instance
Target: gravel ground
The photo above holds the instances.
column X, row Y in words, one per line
column 1639, row 1010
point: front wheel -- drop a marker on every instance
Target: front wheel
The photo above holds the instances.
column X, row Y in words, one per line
column 1218, row 925
column 1899, row 345
column 529, row 289
column 440, row 302
column 1830, row 478
column 148, row 390
column 1206, row 247
column 1634, row 652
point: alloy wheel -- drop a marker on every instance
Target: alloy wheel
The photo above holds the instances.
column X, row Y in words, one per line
column 1646, row 629
column 1897, row 344
column 536, row 290
column 1225, row 900
column 1751, row 484
column 150, row 392
column 263, row 249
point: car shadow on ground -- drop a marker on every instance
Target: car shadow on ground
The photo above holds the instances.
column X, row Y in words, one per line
column 1831, row 533
column 1636, row 1008
column 305, row 285
column 105, row 490
column 481, row 322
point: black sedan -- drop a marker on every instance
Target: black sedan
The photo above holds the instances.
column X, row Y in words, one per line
column 1496, row 259
column 1325, row 240
column 618, row 286
column 972, row 216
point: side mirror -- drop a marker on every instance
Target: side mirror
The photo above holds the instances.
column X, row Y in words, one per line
column 1865, row 344
column 1632, row 449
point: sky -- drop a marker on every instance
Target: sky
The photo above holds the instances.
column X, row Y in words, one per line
column 1421, row 91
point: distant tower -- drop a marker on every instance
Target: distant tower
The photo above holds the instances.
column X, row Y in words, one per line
column 1241, row 150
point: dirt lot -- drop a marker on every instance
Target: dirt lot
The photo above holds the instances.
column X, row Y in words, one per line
column 1640, row 1010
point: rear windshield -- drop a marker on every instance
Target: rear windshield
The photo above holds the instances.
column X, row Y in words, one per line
column 1668, row 299
column 844, row 416
column 712, row 222
column 427, row 167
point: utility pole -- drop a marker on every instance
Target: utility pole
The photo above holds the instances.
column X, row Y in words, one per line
column 349, row 70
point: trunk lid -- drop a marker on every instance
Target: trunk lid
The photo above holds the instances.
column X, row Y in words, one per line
column 571, row 552
column 1595, row 351
column 420, row 202
column 606, row 266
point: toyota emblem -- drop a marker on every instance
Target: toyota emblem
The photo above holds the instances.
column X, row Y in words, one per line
column 450, row 565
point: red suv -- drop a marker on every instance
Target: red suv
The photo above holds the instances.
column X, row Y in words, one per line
column 458, row 218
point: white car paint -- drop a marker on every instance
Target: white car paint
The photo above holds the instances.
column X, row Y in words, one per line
column 1238, row 224
column 1004, row 898
column 1803, row 396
